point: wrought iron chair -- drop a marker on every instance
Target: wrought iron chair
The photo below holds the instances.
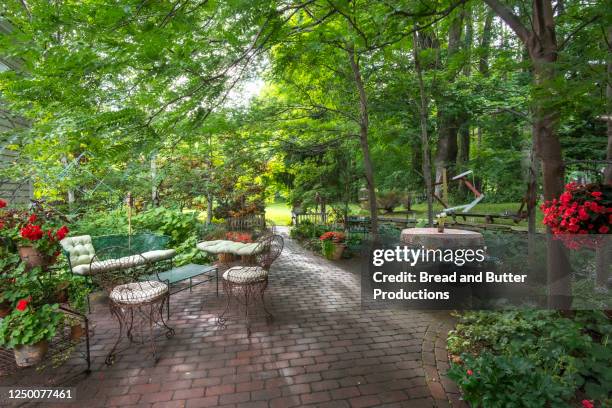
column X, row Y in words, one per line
column 134, row 302
column 247, row 283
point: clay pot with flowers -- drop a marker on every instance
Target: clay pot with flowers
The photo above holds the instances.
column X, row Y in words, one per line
column 28, row 329
column 332, row 244
column 39, row 242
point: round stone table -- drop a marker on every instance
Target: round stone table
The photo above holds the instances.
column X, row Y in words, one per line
column 430, row 238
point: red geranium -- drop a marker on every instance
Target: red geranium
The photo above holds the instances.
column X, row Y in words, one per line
column 22, row 305
column 2, row 203
column 32, row 232
column 243, row 237
column 333, row 236
column 61, row 233
column 580, row 210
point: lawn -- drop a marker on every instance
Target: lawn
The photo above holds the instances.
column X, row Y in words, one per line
column 280, row 213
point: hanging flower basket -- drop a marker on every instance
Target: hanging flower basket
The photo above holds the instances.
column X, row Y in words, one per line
column 582, row 216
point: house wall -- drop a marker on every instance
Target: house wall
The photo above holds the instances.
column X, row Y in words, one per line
column 15, row 191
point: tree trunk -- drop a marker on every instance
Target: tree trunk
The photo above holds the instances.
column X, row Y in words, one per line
column 542, row 48
column 424, row 134
column 446, row 151
column 541, row 42
column 363, row 140
column 608, row 171
column 70, row 193
column 154, row 191
column 603, row 252
column 485, row 44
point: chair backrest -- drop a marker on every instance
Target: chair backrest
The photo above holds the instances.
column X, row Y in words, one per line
column 113, row 266
column 273, row 247
column 79, row 250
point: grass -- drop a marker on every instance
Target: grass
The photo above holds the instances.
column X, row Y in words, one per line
column 280, row 213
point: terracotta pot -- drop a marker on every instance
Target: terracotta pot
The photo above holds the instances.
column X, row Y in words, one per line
column 31, row 354
column 33, row 258
column 76, row 332
column 226, row 258
column 338, row 250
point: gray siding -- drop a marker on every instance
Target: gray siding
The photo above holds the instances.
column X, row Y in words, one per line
column 13, row 191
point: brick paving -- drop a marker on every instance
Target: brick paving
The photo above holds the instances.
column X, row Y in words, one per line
column 322, row 350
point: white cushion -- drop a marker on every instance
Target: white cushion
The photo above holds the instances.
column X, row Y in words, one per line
column 109, row 265
column 250, row 249
column 138, row 292
column 80, row 249
column 228, row 247
column 245, row 274
column 206, row 244
column 159, row 255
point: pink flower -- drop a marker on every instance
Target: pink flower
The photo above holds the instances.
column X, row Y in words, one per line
column 470, row 372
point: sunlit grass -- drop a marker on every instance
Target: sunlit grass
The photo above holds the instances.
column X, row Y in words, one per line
column 278, row 213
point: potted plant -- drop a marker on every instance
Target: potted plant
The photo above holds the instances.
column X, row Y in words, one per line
column 332, row 244
column 441, row 220
column 39, row 242
column 28, row 329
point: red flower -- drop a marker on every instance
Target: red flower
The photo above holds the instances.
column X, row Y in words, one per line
column 603, row 229
column 587, row 404
column 2, row 203
column 32, row 232
column 32, row 218
column 22, row 305
column 61, row 233
column 469, row 372
column 596, row 194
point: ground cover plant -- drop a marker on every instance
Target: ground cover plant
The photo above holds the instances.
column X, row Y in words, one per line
column 561, row 360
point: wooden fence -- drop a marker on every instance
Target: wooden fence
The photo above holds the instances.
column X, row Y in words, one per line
column 312, row 218
column 246, row 223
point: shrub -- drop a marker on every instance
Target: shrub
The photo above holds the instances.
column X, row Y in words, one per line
column 179, row 226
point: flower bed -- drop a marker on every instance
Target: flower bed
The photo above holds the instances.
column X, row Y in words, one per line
column 552, row 360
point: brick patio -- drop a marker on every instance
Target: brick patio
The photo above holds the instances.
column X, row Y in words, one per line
column 322, row 350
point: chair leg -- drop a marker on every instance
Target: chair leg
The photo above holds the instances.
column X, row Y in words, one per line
column 110, row 358
column 227, row 289
column 247, row 291
column 269, row 316
column 151, row 336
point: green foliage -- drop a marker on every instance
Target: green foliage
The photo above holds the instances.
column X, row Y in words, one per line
column 98, row 223
column 30, row 326
column 327, row 248
column 178, row 225
column 551, row 356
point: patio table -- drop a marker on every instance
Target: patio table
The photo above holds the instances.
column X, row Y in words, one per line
column 186, row 272
column 451, row 238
